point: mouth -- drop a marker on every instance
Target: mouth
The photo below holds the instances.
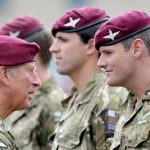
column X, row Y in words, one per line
column 58, row 60
column 30, row 95
column 108, row 72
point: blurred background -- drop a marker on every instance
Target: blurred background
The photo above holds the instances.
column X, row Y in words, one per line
column 50, row 10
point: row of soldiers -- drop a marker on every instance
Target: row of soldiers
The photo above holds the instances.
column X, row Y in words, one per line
column 106, row 58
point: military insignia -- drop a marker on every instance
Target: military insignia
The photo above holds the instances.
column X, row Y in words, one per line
column 14, row 34
column 3, row 145
column 111, row 35
column 72, row 22
column 111, row 126
column 111, row 113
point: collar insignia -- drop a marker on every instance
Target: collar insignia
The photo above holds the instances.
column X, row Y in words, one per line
column 72, row 22
column 111, row 35
column 14, row 34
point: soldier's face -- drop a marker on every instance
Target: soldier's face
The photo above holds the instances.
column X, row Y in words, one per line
column 117, row 63
column 69, row 53
column 23, row 83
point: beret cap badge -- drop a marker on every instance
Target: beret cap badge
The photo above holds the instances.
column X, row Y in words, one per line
column 14, row 34
column 111, row 35
column 72, row 22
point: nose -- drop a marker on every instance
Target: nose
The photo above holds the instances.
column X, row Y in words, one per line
column 54, row 47
column 101, row 63
column 36, row 80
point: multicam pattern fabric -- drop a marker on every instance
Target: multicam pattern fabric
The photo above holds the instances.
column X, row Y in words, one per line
column 89, row 119
column 31, row 127
column 7, row 141
column 133, row 127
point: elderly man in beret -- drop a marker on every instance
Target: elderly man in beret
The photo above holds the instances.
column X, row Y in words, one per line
column 124, row 44
column 18, row 81
column 31, row 127
column 89, row 119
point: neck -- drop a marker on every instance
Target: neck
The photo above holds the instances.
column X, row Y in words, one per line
column 139, row 88
column 82, row 77
column 139, row 84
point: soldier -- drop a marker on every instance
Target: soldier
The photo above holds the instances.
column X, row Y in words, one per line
column 124, row 44
column 18, row 81
column 87, row 122
column 32, row 126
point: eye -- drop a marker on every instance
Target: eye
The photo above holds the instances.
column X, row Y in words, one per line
column 62, row 39
column 107, row 52
column 31, row 71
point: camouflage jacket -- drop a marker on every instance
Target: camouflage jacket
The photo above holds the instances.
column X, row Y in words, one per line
column 83, row 126
column 133, row 127
column 7, row 141
column 32, row 126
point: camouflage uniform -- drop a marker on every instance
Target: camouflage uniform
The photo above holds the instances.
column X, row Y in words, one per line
column 31, row 127
column 87, row 121
column 133, row 127
column 7, row 141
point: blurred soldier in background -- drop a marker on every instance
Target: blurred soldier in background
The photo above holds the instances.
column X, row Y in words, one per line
column 90, row 118
column 124, row 44
column 18, row 81
column 31, row 127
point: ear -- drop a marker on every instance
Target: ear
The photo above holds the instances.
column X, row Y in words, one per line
column 138, row 47
column 4, row 75
column 91, row 47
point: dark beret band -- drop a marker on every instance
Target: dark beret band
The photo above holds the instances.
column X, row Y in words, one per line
column 31, row 33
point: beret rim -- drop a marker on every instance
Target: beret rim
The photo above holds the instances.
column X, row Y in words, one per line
column 18, row 63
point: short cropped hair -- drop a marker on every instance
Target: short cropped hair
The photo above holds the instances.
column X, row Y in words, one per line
column 88, row 33
column 145, row 36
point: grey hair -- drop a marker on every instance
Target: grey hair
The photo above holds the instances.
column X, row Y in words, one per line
column 13, row 69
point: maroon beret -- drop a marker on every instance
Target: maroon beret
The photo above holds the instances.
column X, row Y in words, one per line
column 79, row 19
column 22, row 26
column 122, row 27
column 14, row 51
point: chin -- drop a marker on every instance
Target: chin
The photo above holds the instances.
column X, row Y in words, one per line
column 111, row 83
column 62, row 72
column 27, row 104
